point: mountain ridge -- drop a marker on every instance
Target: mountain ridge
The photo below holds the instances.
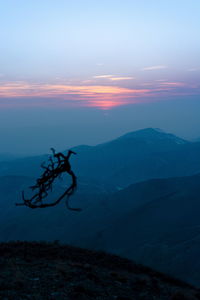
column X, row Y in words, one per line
column 155, row 133
column 123, row 161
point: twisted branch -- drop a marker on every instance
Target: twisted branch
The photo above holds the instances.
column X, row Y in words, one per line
column 58, row 164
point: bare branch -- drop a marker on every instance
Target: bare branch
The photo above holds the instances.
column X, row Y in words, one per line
column 59, row 164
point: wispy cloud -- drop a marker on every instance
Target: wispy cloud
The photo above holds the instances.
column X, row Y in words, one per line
column 103, row 76
column 91, row 95
column 172, row 84
column 154, row 68
column 113, row 77
column 85, row 95
column 121, row 78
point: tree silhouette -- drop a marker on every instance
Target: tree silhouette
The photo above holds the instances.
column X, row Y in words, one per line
column 58, row 164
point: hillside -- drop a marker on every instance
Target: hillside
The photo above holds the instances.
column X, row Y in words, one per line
column 155, row 222
column 50, row 271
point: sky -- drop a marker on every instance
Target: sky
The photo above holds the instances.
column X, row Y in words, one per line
column 75, row 72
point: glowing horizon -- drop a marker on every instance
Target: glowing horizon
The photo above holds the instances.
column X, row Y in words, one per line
column 96, row 95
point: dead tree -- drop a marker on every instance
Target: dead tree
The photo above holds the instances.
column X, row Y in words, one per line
column 58, row 165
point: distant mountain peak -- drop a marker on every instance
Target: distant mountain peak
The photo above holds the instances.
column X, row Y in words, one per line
column 145, row 131
column 157, row 129
column 153, row 134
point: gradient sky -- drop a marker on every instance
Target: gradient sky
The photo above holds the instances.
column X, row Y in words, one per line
column 89, row 58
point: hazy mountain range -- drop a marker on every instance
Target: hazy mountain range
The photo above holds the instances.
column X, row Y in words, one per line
column 140, row 196
column 136, row 156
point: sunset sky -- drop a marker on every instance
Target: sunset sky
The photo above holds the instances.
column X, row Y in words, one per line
column 98, row 58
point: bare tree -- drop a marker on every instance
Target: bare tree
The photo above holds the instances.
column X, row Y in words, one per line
column 58, row 164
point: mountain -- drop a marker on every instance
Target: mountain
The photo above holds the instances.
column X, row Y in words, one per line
column 157, row 219
column 52, row 271
column 152, row 135
column 155, row 222
column 136, row 156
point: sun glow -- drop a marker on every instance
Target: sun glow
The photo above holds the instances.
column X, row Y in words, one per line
column 99, row 96
column 103, row 97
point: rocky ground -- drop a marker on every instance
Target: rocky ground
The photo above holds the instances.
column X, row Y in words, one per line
column 38, row 270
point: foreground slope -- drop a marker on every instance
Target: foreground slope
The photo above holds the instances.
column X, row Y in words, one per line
column 155, row 222
column 50, row 271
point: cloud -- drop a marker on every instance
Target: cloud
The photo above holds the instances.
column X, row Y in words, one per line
column 83, row 95
column 113, row 77
column 154, row 68
column 173, row 84
column 102, row 76
column 121, row 78
column 21, row 93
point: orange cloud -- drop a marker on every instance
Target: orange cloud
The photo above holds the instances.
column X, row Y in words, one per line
column 90, row 95
column 100, row 96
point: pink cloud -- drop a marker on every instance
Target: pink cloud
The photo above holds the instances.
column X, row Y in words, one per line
column 100, row 96
column 90, row 95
